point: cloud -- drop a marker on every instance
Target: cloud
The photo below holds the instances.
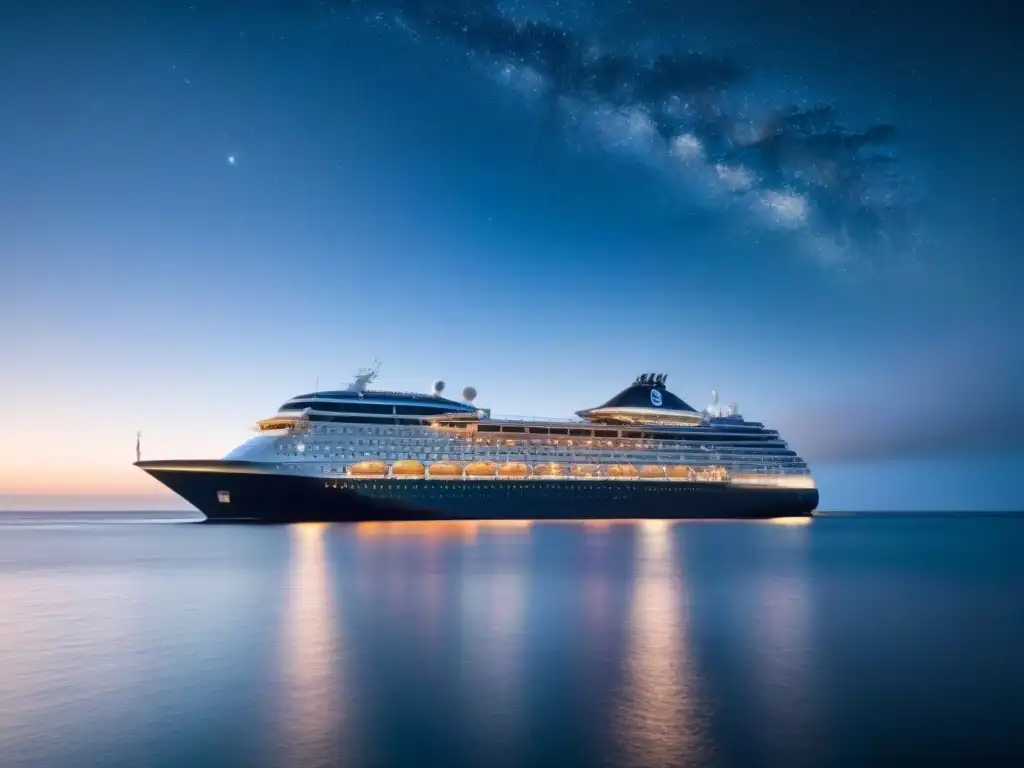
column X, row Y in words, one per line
column 793, row 168
column 686, row 147
column 735, row 177
column 786, row 209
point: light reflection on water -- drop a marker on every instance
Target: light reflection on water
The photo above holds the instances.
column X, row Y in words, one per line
column 615, row 643
column 313, row 690
column 660, row 717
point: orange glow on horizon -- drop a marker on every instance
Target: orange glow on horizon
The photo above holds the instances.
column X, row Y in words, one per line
column 80, row 479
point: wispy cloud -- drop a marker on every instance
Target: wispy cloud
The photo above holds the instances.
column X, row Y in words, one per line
column 789, row 167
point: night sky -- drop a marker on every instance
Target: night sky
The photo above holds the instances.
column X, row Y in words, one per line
column 208, row 207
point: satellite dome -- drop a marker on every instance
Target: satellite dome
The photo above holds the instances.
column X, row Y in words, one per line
column 438, row 387
column 468, row 394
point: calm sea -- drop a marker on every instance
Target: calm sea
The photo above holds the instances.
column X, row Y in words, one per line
column 846, row 641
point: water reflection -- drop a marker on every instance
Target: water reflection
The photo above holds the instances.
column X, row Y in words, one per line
column 466, row 530
column 59, row 649
column 659, row 721
column 493, row 614
column 781, row 645
column 794, row 521
column 313, row 714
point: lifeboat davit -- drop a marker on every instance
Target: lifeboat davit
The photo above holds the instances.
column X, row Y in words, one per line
column 408, row 468
column 445, row 469
column 368, row 469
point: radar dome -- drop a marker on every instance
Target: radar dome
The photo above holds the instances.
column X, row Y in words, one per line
column 468, row 394
column 438, row 387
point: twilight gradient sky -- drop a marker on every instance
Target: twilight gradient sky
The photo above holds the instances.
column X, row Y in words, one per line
column 206, row 208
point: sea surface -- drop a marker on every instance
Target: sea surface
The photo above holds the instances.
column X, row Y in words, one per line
column 859, row 641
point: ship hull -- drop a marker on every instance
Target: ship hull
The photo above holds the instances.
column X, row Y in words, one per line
column 244, row 491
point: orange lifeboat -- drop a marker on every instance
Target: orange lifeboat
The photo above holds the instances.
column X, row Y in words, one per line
column 368, row 469
column 513, row 469
column 548, row 470
column 445, row 469
column 652, row 472
column 407, row 468
column 621, row 470
column 585, row 470
column 481, row 469
column 680, row 472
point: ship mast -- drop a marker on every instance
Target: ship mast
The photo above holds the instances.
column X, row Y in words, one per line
column 364, row 378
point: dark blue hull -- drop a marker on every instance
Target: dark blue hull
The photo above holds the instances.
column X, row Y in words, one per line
column 230, row 490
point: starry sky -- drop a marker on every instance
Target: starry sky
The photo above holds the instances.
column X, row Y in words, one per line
column 208, row 207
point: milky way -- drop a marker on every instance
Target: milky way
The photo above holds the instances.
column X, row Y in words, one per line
column 697, row 118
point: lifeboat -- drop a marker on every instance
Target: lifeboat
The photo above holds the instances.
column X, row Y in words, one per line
column 481, row 469
column 513, row 469
column 368, row 469
column 548, row 470
column 621, row 470
column 445, row 469
column 408, row 468
column 652, row 472
column 584, row 470
column 680, row 472
column 712, row 474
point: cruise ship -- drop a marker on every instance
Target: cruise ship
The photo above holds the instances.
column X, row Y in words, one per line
column 361, row 454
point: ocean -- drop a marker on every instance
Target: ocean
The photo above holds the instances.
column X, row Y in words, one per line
column 844, row 641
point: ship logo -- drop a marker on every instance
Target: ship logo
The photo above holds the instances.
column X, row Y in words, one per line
column 655, row 398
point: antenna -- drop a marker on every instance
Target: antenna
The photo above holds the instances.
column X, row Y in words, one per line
column 138, row 445
column 364, row 378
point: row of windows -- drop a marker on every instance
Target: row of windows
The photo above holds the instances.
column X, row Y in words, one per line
column 623, row 490
column 403, row 443
column 634, row 434
column 452, row 452
column 402, row 440
column 737, row 463
column 367, row 408
column 369, row 419
column 378, row 413
column 692, row 437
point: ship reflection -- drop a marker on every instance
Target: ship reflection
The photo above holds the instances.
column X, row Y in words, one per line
column 782, row 646
column 493, row 614
column 659, row 719
column 465, row 530
column 313, row 716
